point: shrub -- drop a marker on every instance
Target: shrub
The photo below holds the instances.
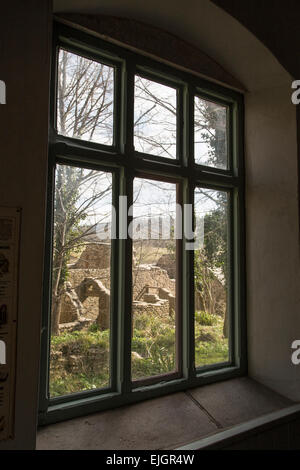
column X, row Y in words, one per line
column 205, row 319
column 80, row 359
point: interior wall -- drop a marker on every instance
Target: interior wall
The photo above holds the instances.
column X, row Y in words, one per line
column 204, row 25
column 274, row 23
column 24, row 66
column 272, row 238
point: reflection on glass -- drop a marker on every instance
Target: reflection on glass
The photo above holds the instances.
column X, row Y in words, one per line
column 154, row 118
column 210, row 133
column 80, row 314
column 211, row 278
column 154, row 278
column 85, row 91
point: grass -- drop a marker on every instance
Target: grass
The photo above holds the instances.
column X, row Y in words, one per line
column 210, row 345
column 153, row 343
column 80, row 360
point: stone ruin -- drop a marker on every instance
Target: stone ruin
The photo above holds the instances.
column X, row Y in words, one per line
column 94, row 256
column 168, row 263
column 86, row 298
column 71, row 309
column 156, row 300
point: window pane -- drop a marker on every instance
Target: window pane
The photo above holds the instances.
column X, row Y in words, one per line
column 80, row 316
column 210, row 134
column 85, row 91
column 154, row 278
column 211, row 277
column 155, row 118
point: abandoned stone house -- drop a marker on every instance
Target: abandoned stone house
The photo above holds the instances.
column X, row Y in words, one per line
column 87, row 291
column 248, row 48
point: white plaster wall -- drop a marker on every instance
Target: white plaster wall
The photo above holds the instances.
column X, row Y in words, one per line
column 272, row 222
column 24, row 66
column 203, row 24
column 272, row 238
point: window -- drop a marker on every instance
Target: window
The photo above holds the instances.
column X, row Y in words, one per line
column 85, row 102
column 210, row 126
column 144, row 273
column 155, row 112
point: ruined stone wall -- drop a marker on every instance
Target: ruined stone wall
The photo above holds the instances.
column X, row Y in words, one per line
column 67, row 360
column 94, row 256
column 144, row 275
column 69, row 311
column 76, row 276
column 93, row 304
column 167, row 262
column 166, row 294
column 160, row 309
column 91, row 307
column 152, row 276
column 103, row 318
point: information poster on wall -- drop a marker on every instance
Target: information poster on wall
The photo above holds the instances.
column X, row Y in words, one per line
column 9, row 257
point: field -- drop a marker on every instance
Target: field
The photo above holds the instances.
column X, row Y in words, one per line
column 80, row 360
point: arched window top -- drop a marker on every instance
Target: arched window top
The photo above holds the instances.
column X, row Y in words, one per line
column 154, row 42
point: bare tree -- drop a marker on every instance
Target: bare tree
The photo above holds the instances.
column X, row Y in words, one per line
column 211, row 149
column 85, row 98
column 78, row 193
column 84, row 111
column 85, row 106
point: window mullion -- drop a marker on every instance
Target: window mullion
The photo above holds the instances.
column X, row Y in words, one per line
column 45, row 331
column 189, row 127
column 180, row 123
column 188, row 339
column 126, row 298
column 127, row 125
column 127, row 147
column 114, row 288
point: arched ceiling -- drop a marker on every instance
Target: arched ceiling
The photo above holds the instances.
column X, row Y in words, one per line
column 204, row 25
column 275, row 23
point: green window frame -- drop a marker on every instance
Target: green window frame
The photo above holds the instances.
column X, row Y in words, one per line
column 124, row 163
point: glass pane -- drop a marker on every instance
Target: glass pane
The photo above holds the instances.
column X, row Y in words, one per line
column 155, row 118
column 80, row 316
column 211, row 277
column 85, row 91
column 210, row 134
column 154, row 278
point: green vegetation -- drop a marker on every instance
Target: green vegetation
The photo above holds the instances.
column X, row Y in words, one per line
column 205, row 319
column 80, row 360
column 153, row 345
column 211, row 347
